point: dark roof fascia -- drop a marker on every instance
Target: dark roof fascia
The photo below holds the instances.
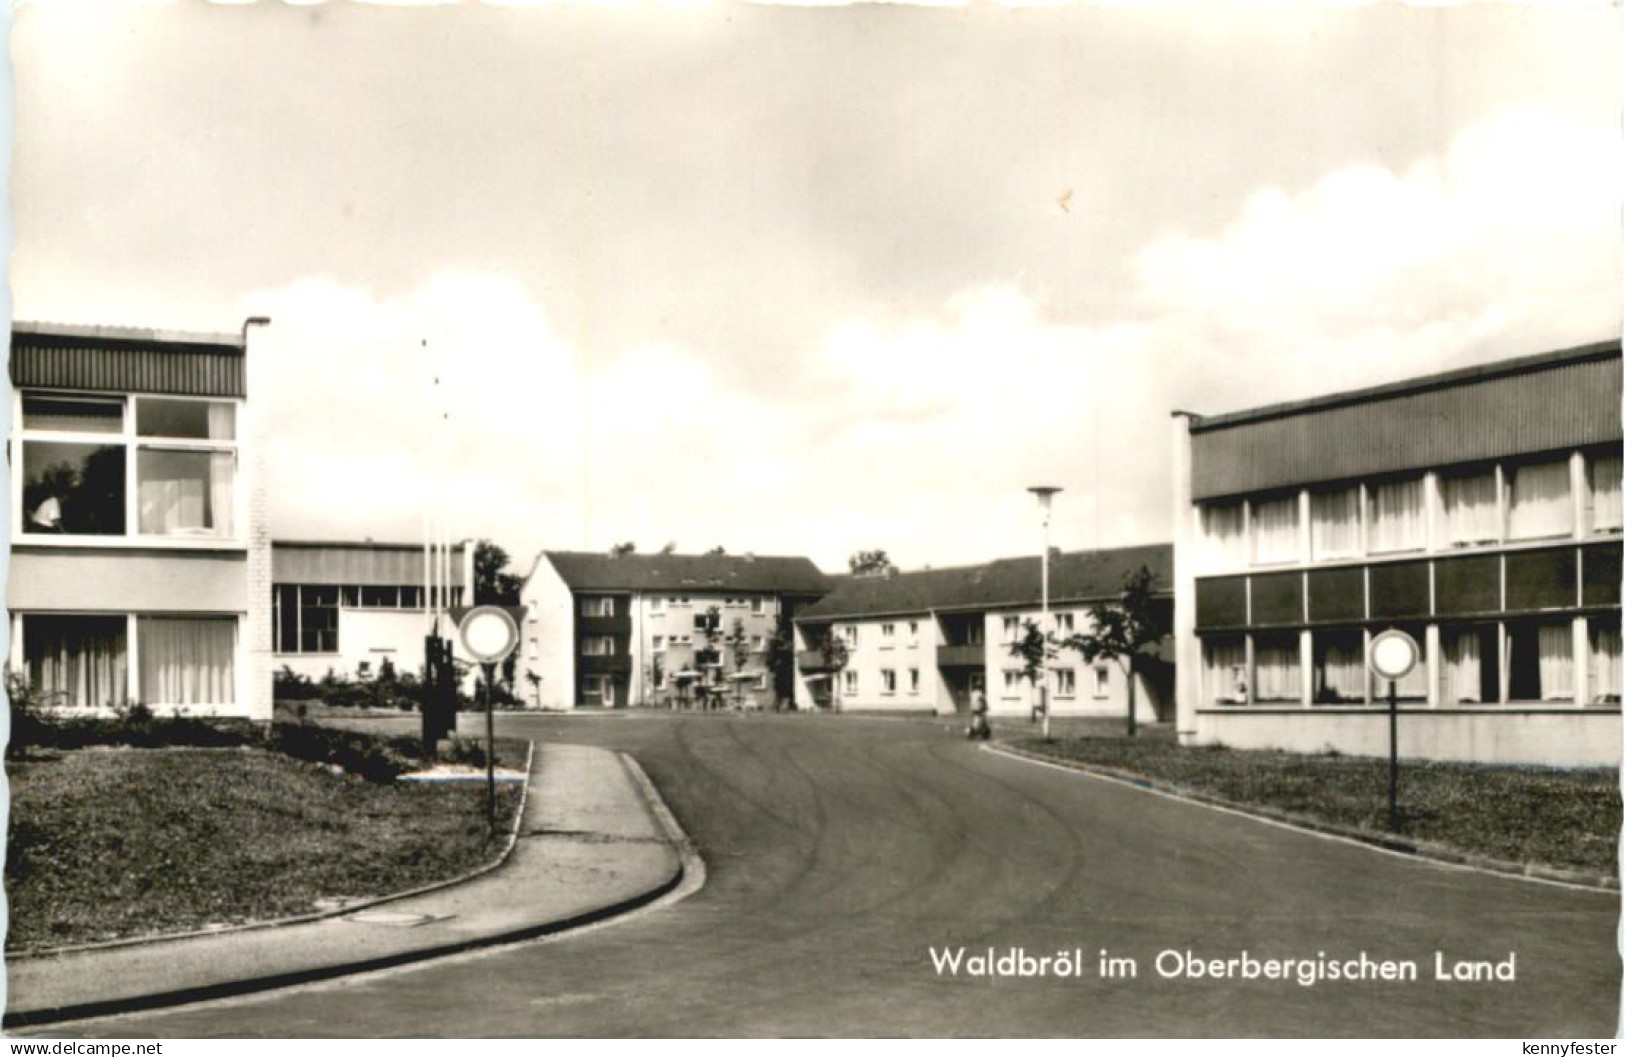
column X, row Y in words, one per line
column 359, row 545
column 212, row 341
column 989, row 607
column 1444, row 380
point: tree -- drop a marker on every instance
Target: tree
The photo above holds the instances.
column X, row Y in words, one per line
column 780, row 656
column 1124, row 630
column 669, row 548
column 870, row 563
column 716, row 552
column 833, row 647
column 621, row 549
column 1034, row 649
column 739, row 642
column 493, row 583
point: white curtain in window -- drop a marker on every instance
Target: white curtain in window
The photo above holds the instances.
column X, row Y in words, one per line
column 222, row 491
column 1398, row 516
column 187, row 660
column 1539, row 502
column 1470, row 508
column 1414, row 686
column 1276, row 671
column 1341, row 676
column 1556, row 645
column 1224, row 534
column 1462, row 668
column 186, row 492
column 1225, row 674
column 222, row 421
column 1335, row 523
column 76, row 662
column 1275, row 530
column 1606, row 511
column 1606, row 668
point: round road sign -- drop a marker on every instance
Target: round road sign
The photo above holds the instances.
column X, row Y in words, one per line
column 1394, row 654
column 488, row 633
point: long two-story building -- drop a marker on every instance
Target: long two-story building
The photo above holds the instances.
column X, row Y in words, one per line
column 1478, row 510
column 922, row 641
column 140, row 565
column 610, row 630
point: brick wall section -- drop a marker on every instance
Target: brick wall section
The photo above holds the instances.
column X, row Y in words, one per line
column 257, row 624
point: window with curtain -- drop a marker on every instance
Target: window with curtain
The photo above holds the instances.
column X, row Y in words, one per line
column 1468, row 665
column 1224, row 535
column 1606, row 670
column 1539, row 501
column 1224, row 671
column 1275, row 530
column 1275, row 669
column 1334, row 523
column 76, row 661
column 187, row 660
column 1603, row 475
column 1397, row 516
column 1340, row 672
column 1540, row 660
column 1414, row 687
column 186, row 485
column 1469, row 508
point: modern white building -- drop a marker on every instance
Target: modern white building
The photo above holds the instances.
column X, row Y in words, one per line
column 923, row 641
column 609, row 630
column 140, row 565
column 1478, row 510
column 347, row 607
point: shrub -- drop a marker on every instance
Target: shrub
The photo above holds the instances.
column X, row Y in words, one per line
column 373, row 758
column 463, row 751
column 289, row 685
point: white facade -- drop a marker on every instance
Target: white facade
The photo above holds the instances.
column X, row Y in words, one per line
column 545, row 672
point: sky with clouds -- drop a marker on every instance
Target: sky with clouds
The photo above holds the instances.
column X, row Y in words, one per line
column 809, row 280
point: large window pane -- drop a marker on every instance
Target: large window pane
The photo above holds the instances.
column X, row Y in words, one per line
column 1275, row 530
column 1469, row 508
column 285, row 619
column 1275, row 669
column 1604, row 474
column 1335, row 523
column 1539, row 502
column 190, row 419
column 76, row 662
column 1540, row 660
column 76, row 489
column 1398, row 517
column 72, row 415
column 1340, row 667
column 186, row 493
column 1224, row 535
column 318, row 619
column 1468, row 671
column 188, row 660
column 1605, row 676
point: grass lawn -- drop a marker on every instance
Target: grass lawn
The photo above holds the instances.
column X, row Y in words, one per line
column 1559, row 818
column 107, row 843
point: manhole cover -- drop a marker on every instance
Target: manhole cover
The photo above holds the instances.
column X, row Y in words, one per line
column 400, row 918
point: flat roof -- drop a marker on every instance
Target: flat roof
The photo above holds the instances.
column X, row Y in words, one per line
column 144, row 335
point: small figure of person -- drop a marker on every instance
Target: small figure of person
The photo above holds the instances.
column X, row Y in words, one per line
column 978, row 714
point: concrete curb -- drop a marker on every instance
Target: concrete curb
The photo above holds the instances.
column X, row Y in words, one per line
column 316, row 974
column 320, row 915
column 1378, row 841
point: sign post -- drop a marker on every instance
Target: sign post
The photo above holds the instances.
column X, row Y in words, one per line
column 489, row 634
column 1393, row 655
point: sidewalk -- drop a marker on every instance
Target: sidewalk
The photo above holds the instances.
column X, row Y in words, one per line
column 590, row 845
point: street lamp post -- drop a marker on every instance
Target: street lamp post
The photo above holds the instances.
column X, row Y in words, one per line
column 1046, row 496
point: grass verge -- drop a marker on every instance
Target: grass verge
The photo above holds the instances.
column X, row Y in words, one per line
column 1565, row 819
column 109, row 843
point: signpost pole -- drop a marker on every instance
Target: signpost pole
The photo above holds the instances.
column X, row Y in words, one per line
column 490, row 751
column 1393, row 756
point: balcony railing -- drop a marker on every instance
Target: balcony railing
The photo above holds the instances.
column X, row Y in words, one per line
column 604, row 625
column 961, row 656
column 812, row 661
column 614, row 664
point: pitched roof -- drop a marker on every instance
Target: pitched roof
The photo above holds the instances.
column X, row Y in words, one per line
column 1079, row 576
column 584, row 571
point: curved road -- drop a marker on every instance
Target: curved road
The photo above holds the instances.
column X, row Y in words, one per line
column 841, row 850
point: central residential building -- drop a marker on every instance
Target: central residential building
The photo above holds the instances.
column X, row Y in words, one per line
column 611, row 630
column 923, row 641
column 140, row 565
column 1478, row 510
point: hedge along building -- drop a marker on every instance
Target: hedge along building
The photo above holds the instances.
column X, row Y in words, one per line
column 1479, row 510
column 923, row 641
column 616, row 629
column 140, row 564
column 347, row 607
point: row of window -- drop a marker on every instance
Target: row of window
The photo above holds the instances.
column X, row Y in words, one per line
column 1011, row 626
column 1443, row 510
column 756, row 604
column 658, row 643
column 305, row 617
column 128, row 466
column 1065, row 681
column 84, row 661
column 1531, row 660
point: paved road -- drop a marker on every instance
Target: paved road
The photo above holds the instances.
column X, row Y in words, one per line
column 840, row 850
